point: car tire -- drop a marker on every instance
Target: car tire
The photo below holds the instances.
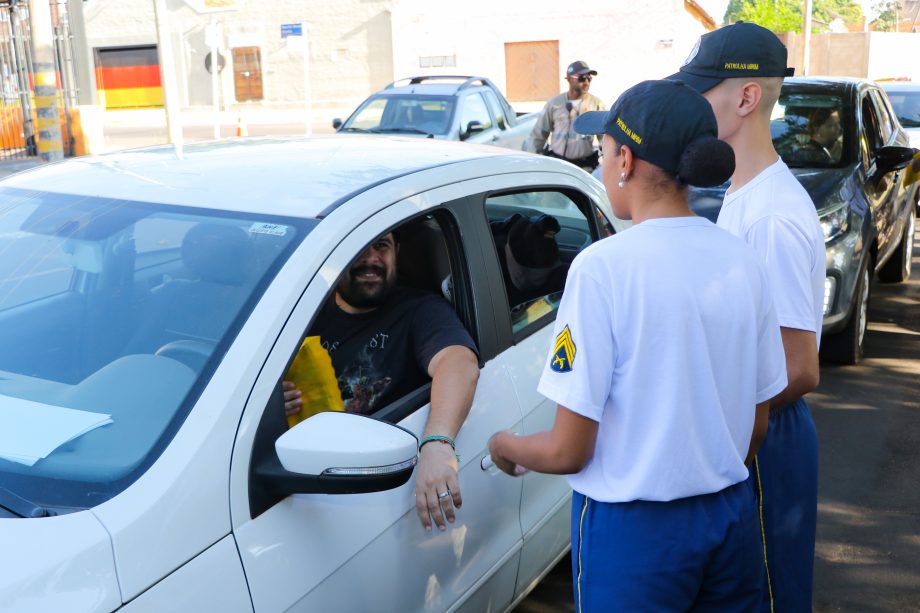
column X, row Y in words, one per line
column 897, row 268
column 848, row 345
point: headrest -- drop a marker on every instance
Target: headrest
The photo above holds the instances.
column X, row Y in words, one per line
column 219, row 253
column 532, row 240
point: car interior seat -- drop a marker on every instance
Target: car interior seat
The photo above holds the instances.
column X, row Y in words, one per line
column 423, row 261
column 221, row 263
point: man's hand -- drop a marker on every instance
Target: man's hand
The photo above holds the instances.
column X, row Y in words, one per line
column 292, row 398
column 436, row 474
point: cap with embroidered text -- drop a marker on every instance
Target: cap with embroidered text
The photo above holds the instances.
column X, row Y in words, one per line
column 657, row 120
column 578, row 68
column 737, row 50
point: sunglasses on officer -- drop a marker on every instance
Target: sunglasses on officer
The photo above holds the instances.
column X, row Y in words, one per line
column 583, row 78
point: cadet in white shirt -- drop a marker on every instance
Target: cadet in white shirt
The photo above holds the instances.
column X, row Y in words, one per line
column 667, row 352
column 740, row 69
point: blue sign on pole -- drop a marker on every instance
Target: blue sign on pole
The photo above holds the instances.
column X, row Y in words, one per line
column 291, row 29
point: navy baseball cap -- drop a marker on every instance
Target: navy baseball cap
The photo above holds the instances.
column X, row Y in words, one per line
column 578, row 68
column 737, row 50
column 657, row 120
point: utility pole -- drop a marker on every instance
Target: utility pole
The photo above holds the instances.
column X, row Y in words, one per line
column 806, row 30
column 167, row 73
column 84, row 66
column 50, row 147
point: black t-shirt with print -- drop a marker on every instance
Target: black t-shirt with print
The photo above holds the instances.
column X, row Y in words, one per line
column 383, row 355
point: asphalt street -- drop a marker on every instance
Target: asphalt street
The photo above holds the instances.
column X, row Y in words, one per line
column 868, row 417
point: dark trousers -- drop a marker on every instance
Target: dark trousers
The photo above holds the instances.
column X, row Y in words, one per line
column 701, row 553
column 785, row 480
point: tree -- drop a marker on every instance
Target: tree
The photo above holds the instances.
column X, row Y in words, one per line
column 786, row 15
column 887, row 20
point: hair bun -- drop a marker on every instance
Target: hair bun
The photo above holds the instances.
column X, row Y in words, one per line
column 707, row 162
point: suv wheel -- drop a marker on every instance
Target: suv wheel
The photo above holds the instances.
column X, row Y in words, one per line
column 897, row 268
column 847, row 346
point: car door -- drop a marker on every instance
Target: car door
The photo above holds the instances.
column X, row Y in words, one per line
column 892, row 135
column 473, row 109
column 881, row 189
column 525, row 330
column 369, row 551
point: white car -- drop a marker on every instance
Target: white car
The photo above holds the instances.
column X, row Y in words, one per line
column 150, row 304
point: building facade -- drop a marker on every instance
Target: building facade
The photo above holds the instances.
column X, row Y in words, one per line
column 355, row 47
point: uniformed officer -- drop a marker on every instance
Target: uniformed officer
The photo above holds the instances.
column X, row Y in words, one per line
column 666, row 354
column 559, row 115
column 740, row 69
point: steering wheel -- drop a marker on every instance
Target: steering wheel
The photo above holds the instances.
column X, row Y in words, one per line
column 193, row 354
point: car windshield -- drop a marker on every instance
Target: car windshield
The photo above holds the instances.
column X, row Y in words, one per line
column 403, row 113
column 906, row 107
column 811, row 130
column 113, row 316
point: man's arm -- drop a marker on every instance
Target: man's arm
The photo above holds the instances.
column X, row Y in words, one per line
column 541, row 130
column 454, row 372
column 802, row 370
column 564, row 450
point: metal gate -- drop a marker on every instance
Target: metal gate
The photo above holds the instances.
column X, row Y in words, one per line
column 17, row 102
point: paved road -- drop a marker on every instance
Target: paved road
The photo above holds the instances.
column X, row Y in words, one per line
column 868, row 418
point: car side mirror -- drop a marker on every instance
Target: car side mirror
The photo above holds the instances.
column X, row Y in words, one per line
column 341, row 453
column 473, row 127
column 336, row 123
column 892, row 158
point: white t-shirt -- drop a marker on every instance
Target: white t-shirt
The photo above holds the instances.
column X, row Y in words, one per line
column 666, row 336
column 775, row 215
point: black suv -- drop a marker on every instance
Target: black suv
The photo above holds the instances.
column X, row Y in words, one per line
column 845, row 145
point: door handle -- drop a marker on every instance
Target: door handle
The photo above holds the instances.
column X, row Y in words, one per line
column 486, row 463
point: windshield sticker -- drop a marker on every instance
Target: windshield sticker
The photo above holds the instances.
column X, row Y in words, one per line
column 272, row 229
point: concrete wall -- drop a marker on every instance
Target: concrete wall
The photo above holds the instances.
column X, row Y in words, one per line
column 626, row 41
column 872, row 55
column 357, row 46
column 350, row 45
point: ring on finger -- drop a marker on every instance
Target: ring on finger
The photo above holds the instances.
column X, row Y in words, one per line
column 444, row 495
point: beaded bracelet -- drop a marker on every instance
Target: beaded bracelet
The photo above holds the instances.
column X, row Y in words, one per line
column 440, row 439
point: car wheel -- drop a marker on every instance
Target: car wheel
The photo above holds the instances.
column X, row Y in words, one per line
column 897, row 268
column 847, row 346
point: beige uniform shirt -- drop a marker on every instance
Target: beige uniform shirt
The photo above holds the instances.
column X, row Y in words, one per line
column 556, row 121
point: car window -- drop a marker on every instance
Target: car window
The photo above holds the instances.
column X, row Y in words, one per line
column 496, row 109
column 906, row 107
column 870, row 136
column 810, row 130
column 536, row 234
column 474, row 109
column 371, row 363
column 881, row 111
column 403, row 113
column 121, row 341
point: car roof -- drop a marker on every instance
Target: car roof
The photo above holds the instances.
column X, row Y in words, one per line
column 825, row 82
column 441, row 85
column 294, row 176
column 900, row 86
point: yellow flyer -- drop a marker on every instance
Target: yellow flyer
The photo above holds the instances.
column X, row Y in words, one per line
column 312, row 373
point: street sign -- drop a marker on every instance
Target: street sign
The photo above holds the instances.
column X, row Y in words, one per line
column 221, row 62
column 291, row 29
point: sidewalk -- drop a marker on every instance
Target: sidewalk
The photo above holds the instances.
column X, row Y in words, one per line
column 133, row 128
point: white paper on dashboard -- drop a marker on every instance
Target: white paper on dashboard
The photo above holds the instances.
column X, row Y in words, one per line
column 30, row 431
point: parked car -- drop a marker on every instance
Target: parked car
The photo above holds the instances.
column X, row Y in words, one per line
column 169, row 294
column 463, row 108
column 864, row 185
column 905, row 100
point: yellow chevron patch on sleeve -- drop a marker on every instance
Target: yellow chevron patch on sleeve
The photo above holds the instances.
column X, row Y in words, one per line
column 564, row 353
